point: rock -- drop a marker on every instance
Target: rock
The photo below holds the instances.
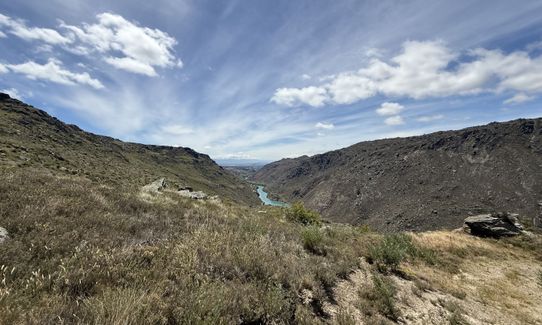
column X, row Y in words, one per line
column 3, row 235
column 494, row 225
column 4, row 96
column 184, row 187
column 197, row 195
column 156, row 186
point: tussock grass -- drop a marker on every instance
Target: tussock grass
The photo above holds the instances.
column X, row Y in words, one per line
column 85, row 253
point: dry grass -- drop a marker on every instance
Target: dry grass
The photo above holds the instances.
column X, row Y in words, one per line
column 84, row 253
column 494, row 280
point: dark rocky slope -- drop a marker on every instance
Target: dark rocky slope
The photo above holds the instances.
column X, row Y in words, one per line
column 418, row 183
column 31, row 138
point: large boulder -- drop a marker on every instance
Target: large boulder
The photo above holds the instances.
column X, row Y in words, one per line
column 156, row 186
column 494, row 225
column 3, row 235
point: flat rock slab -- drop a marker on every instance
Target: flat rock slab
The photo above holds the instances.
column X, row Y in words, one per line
column 494, row 225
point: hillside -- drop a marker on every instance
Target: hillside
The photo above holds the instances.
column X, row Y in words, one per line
column 419, row 183
column 82, row 243
column 31, row 138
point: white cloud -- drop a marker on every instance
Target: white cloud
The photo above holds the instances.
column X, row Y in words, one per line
column 2, row 34
column 19, row 29
column 3, row 68
column 306, row 77
column 387, row 109
column 54, row 72
column 518, row 98
column 123, row 44
column 430, row 118
column 313, row 96
column 348, row 88
column 13, row 93
column 132, row 65
column 394, row 120
column 422, row 70
column 142, row 48
column 325, row 126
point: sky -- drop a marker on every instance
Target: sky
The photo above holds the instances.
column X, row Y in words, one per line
column 273, row 79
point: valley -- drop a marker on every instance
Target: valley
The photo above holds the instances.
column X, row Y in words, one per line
column 99, row 231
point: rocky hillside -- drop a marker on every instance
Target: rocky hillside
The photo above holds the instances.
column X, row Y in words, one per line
column 31, row 138
column 418, row 183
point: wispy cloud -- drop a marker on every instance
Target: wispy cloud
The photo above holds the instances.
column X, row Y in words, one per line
column 20, row 29
column 54, row 72
column 430, row 118
column 325, row 126
column 519, row 98
column 394, row 120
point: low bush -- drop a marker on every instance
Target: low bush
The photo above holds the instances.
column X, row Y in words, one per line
column 298, row 213
column 313, row 240
column 394, row 249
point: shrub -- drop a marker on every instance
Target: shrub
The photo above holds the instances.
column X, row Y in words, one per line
column 313, row 240
column 298, row 213
column 395, row 248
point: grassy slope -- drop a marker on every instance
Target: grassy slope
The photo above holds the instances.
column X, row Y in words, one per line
column 30, row 138
column 81, row 252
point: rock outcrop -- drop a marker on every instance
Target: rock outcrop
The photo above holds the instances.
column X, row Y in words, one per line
column 196, row 195
column 494, row 225
column 3, row 235
column 156, row 186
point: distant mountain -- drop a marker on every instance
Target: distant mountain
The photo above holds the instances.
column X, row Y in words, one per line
column 232, row 162
column 31, row 138
column 418, row 183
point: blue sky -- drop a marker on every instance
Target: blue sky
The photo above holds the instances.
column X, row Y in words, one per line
column 272, row 79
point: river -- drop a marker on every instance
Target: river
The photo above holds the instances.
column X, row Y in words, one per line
column 266, row 200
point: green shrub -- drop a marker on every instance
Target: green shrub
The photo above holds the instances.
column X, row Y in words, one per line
column 395, row 248
column 313, row 240
column 298, row 213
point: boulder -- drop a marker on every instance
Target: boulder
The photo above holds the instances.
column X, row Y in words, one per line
column 197, row 195
column 3, row 235
column 494, row 225
column 156, row 186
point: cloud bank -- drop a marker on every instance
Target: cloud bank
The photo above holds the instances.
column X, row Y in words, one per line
column 425, row 69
